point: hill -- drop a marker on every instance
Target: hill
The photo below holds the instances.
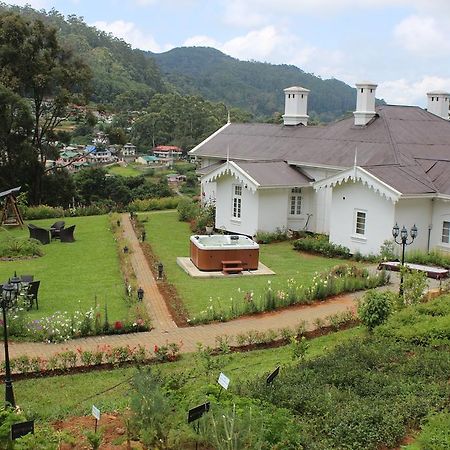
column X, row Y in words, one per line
column 122, row 76
column 251, row 85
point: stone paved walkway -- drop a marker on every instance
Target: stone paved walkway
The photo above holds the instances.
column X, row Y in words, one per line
column 165, row 330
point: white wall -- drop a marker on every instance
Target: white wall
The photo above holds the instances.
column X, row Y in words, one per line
column 440, row 212
column 248, row 224
column 273, row 208
column 321, row 207
column 349, row 197
column 415, row 211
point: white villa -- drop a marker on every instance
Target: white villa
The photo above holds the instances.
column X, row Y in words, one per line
column 352, row 179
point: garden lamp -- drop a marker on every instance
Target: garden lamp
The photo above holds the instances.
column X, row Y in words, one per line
column 140, row 294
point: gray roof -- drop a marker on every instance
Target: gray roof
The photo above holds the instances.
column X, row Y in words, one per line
column 405, row 146
column 274, row 173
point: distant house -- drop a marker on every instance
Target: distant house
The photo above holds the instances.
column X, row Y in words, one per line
column 128, row 150
column 148, row 160
column 175, row 178
column 352, row 179
column 98, row 154
column 167, row 152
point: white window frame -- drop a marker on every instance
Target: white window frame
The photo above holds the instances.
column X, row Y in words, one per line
column 364, row 224
column 236, row 202
column 295, row 202
column 445, row 228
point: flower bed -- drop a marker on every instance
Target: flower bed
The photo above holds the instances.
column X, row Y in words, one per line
column 70, row 360
column 62, row 326
column 340, row 279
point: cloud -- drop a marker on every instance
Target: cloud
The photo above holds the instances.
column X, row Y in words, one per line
column 130, row 33
column 406, row 92
column 423, row 36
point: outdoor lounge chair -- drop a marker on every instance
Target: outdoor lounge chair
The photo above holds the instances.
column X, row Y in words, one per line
column 56, row 228
column 32, row 293
column 41, row 234
column 66, row 234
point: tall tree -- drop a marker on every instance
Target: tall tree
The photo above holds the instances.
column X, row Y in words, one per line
column 35, row 66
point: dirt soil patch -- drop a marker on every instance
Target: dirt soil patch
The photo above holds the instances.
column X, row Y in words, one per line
column 112, row 428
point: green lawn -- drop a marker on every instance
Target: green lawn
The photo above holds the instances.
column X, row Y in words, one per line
column 74, row 275
column 131, row 170
column 169, row 238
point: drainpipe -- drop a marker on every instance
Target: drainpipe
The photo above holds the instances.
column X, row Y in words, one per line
column 430, row 226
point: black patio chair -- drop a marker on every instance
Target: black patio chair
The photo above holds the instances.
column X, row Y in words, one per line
column 32, row 293
column 56, row 228
column 41, row 234
column 26, row 278
column 66, row 234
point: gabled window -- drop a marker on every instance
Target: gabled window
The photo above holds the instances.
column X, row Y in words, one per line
column 237, row 202
column 295, row 206
column 446, row 232
column 360, row 223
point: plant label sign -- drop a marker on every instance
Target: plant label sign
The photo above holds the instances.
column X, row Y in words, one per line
column 273, row 375
column 198, row 411
column 223, row 380
column 96, row 412
column 21, row 429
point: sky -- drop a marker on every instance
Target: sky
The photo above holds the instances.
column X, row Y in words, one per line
column 401, row 45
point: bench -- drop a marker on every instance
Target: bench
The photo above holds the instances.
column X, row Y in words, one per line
column 232, row 267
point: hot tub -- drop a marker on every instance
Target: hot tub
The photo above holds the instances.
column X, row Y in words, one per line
column 209, row 252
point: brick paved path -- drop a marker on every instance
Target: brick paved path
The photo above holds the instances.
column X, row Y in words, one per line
column 165, row 329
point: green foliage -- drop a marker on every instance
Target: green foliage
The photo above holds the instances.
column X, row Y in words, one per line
column 387, row 250
column 150, row 408
column 364, row 394
column 94, row 439
column 187, row 210
column 299, row 347
column 265, row 237
column 319, row 244
column 435, row 434
column 415, row 283
column 153, row 204
column 374, row 308
column 13, row 247
column 433, row 258
column 425, row 324
column 44, row 438
column 251, row 85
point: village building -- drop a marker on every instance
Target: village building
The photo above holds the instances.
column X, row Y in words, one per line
column 167, row 152
column 352, row 179
column 148, row 160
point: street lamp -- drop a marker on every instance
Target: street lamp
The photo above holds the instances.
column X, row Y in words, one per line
column 403, row 242
column 140, row 294
column 9, row 294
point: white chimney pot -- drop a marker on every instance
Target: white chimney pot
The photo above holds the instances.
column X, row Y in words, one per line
column 296, row 105
column 365, row 103
column 438, row 103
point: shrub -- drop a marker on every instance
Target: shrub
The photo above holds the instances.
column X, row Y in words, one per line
column 414, row 285
column 154, row 204
column 374, row 308
column 435, row 435
column 20, row 247
column 266, row 237
column 187, row 210
column 319, row 244
column 433, row 258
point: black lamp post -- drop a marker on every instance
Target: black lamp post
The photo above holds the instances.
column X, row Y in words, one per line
column 140, row 294
column 160, row 270
column 403, row 242
column 9, row 294
column 143, row 235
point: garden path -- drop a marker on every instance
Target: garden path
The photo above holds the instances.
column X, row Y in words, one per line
column 165, row 329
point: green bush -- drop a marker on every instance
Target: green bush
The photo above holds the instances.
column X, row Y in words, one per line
column 319, row 244
column 433, row 258
column 374, row 308
column 187, row 210
column 265, row 237
column 154, row 204
column 41, row 212
column 20, row 247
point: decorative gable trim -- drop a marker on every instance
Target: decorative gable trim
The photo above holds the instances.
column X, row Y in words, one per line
column 192, row 152
column 231, row 168
column 358, row 174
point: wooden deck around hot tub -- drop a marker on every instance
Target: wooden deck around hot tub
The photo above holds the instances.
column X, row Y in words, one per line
column 212, row 260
